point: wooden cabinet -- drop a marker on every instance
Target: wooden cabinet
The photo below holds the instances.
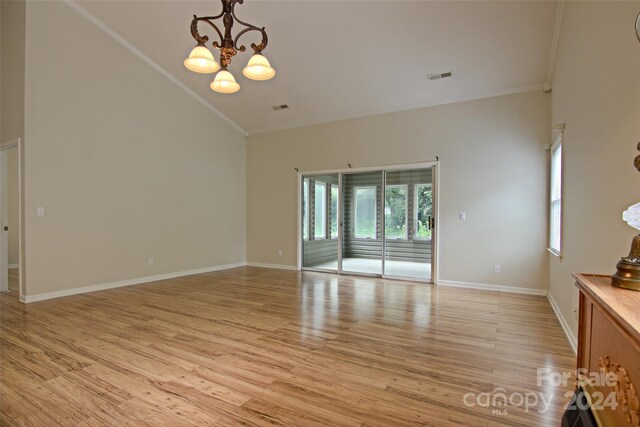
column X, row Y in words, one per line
column 609, row 349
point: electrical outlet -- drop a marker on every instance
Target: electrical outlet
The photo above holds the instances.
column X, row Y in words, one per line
column 151, row 261
column 279, row 252
column 497, row 268
column 40, row 211
column 462, row 216
column 574, row 308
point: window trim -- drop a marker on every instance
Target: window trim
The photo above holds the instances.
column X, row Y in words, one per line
column 415, row 211
column 321, row 184
column 558, row 145
column 406, row 212
column 330, row 187
column 305, row 203
column 375, row 212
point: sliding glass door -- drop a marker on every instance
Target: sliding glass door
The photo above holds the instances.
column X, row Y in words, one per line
column 320, row 204
column 378, row 223
column 408, row 219
column 362, row 223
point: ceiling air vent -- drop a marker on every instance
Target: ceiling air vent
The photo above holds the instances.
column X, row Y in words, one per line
column 439, row 76
column 280, row 107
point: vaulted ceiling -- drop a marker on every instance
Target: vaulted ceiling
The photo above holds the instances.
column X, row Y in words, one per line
column 343, row 59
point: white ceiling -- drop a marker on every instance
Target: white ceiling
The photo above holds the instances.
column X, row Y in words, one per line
column 342, row 59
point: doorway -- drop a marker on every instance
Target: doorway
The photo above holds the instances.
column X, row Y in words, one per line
column 372, row 221
column 11, row 272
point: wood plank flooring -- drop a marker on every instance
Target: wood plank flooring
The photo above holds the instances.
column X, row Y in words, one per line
column 256, row 347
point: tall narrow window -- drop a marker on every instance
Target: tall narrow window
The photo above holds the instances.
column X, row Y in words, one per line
column 555, row 215
column 305, row 209
column 395, row 212
column 365, row 212
column 424, row 207
column 320, row 211
column 334, row 211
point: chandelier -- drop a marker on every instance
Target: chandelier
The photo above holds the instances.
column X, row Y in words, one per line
column 201, row 59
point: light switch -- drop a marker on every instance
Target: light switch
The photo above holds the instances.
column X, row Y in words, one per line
column 40, row 211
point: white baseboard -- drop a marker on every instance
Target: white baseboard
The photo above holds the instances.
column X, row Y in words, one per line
column 277, row 266
column 129, row 282
column 573, row 341
column 12, row 266
column 488, row 287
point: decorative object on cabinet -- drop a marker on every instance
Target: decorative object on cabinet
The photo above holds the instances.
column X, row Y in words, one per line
column 627, row 274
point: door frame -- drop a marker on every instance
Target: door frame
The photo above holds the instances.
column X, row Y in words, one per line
column 435, row 237
column 300, row 238
column 355, row 171
column 4, row 147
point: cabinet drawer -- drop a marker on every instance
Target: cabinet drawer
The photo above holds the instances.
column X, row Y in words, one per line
column 611, row 348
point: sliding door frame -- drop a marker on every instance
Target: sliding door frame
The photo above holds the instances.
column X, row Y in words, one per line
column 435, row 236
column 434, row 166
column 340, row 222
column 300, row 249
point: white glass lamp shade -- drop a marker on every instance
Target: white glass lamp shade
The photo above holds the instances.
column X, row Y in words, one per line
column 258, row 68
column 632, row 216
column 201, row 60
column 225, row 83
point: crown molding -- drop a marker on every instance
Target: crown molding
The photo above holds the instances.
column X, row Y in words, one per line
column 12, row 143
column 137, row 52
column 553, row 54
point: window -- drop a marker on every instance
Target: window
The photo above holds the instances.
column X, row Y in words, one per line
column 423, row 207
column 320, row 211
column 555, row 214
column 334, row 211
column 305, row 209
column 395, row 210
column 365, row 212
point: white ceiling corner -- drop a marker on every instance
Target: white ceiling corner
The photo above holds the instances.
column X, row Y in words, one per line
column 125, row 43
column 344, row 59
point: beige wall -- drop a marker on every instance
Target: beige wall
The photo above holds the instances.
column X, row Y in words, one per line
column 596, row 92
column 126, row 165
column 12, row 17
column 12, row 70
column 493, row 167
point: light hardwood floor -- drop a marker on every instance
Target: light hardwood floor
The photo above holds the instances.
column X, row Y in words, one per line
column 253, row 346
